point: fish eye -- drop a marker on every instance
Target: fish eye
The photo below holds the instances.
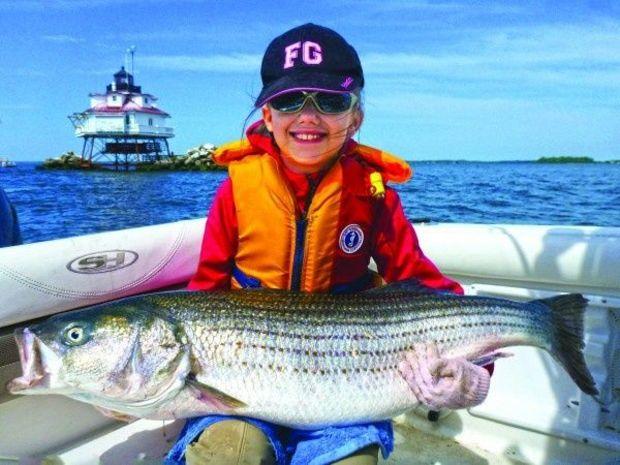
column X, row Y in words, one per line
column 75, row 335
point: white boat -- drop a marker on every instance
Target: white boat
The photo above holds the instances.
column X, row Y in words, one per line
column 6, row 163
column 534, row 413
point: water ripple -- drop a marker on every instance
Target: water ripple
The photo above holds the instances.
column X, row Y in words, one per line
column 62, row 204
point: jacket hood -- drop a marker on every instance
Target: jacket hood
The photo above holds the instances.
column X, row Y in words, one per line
column 259, row 141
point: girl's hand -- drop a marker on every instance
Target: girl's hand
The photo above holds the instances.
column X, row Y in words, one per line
column 443, row 382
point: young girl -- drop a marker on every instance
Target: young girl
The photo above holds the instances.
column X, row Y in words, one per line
column 305, row 208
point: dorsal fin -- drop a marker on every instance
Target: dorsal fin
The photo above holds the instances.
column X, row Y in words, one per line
column 411, row 286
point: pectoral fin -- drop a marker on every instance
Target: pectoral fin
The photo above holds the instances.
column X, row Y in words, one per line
column 213, row 396
column 115, row 415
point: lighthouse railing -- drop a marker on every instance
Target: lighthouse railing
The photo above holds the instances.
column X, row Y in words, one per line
column 120, row 130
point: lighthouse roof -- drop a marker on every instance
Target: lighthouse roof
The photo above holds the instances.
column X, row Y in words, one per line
column 122, row 73
column 123, row 81
column 124, row 93
column 128, row 106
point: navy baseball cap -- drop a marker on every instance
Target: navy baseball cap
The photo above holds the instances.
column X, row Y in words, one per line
column 309, row 57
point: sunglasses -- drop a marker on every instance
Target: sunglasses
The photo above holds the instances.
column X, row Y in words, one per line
column 329, row 103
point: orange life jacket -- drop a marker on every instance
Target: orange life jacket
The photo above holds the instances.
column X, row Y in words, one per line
column 329, row 245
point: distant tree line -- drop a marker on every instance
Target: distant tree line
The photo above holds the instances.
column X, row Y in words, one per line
column 565, row 160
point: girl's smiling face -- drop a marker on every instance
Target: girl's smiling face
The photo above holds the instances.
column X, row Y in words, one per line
column 310, row 140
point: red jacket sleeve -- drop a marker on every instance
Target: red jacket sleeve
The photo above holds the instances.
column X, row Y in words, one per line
column 397, row 251
column 219, row 243
column 398, row 254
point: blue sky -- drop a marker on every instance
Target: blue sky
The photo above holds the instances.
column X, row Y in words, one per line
column 449, row 79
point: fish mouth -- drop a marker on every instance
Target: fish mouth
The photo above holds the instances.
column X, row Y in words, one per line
column 34, row 374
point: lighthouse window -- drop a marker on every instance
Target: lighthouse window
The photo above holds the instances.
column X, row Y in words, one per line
column 114, row 98
column 146, row 100
column 150, row 121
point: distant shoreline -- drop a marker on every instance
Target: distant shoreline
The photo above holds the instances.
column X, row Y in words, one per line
column 533, row 162
column 595, row 162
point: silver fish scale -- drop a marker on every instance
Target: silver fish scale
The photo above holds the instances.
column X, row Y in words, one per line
column 301, row 367
column 281, row 326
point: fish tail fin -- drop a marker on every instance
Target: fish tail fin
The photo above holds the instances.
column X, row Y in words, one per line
column 567, row 312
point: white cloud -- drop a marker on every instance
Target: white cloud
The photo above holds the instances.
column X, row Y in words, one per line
column 427, row 6
column 573, row 56
column 479, row 69
column 63, row 39
column 40, row 5
column 16, row 107
column 233, row 63
column 28, row 73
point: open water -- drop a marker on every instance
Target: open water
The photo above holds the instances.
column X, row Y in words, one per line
column 56, row 204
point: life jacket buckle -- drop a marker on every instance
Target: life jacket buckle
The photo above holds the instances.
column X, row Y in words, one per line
column 377, row 188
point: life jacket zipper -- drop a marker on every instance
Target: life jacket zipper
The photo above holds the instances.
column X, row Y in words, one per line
column 301, row 225
column 298, row 258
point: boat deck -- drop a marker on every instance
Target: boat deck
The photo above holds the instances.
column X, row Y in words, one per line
column 415, row 447
column 146, row 442
column 534, row 413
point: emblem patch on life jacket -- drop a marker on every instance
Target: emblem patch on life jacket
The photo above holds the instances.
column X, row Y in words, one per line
column 351, row 238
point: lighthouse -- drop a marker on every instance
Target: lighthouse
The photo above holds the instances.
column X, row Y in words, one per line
column 123, row 126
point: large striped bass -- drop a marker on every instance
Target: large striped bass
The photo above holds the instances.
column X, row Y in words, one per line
column 300, row 360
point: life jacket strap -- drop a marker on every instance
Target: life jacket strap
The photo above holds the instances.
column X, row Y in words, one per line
column 366, row 281
column 244, row 280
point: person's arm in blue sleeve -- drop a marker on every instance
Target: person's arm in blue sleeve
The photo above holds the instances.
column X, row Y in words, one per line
column 9, row 225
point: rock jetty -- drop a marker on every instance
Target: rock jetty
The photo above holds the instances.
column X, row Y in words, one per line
column 67, row 161
column 198, row 158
